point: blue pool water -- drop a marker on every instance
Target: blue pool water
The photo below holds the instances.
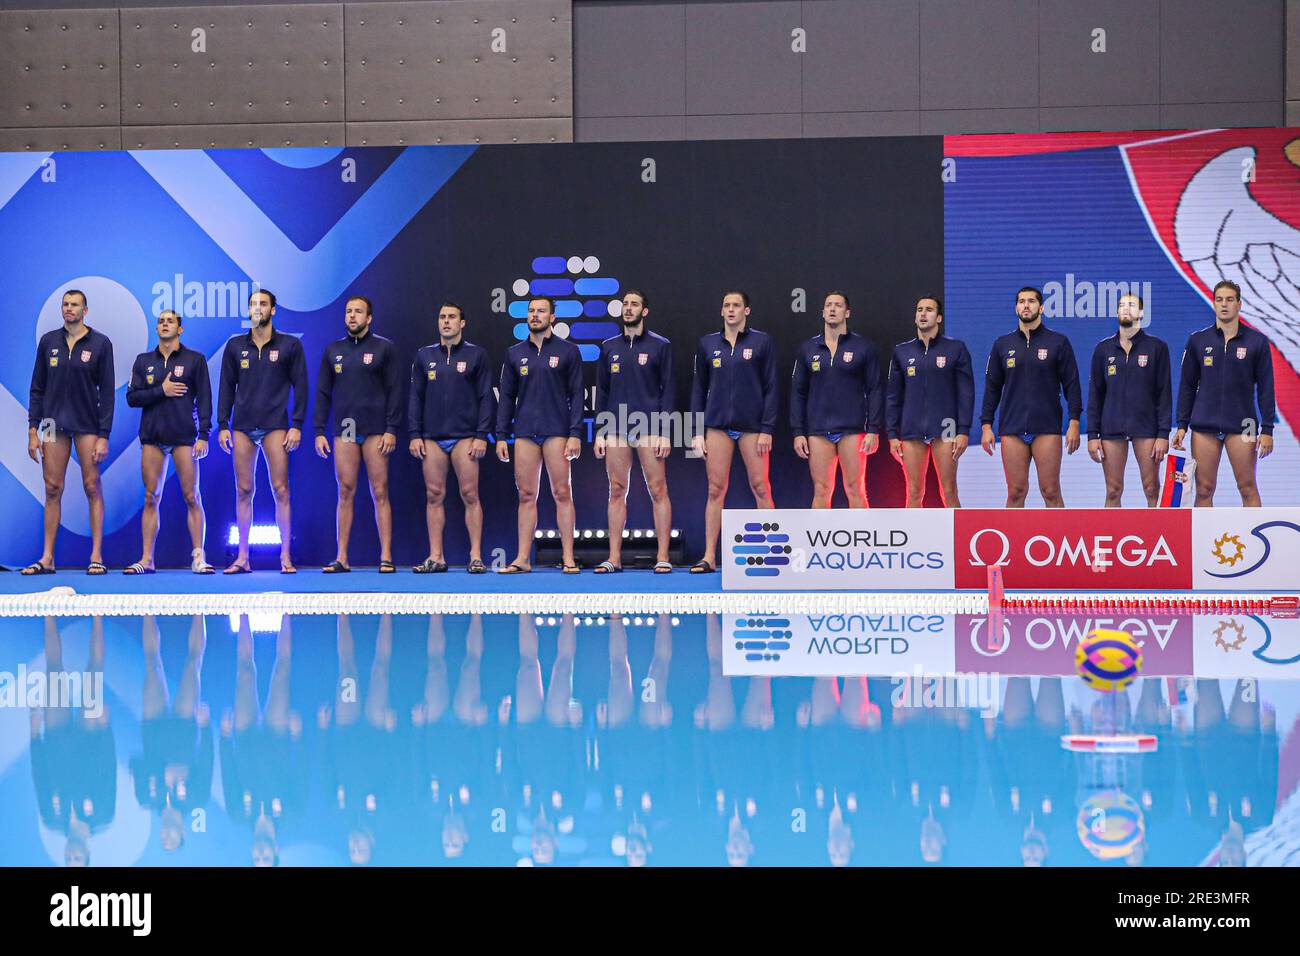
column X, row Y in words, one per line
column 585, row 741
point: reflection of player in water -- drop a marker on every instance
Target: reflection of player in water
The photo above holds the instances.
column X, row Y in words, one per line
column 637, row 770
column 173, row 775
column 846, row 779
column 263, row 772
column 361, row 766
column 1031, row 777
column 544, row 745
column 74, row 760
column 457, row 778
column 1230, row 762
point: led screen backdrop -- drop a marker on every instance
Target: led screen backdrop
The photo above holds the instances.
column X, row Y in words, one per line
column 195, row 230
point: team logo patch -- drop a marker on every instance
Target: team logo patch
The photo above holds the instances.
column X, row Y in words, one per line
column 747, row 354
column 433, row 375
column 940, row 361
column 717, row 362
column 816, row 366
column 85, row 355
column 148, row 379
column 1209, row 360
column 613, row 367
column 1011, row 362
column 911, row 370
column 642, row 358
column 338, row 369
column 1241, row 353
column 523, row 370
column 275, row 355
column 243, row 363
column 460, row 367
column 1042, row 355
column 178, row 370
column 367, row 358
column 1142, row 361
column 555, row 361
column 1110, row 369
column 848, row 357
column 54, row 361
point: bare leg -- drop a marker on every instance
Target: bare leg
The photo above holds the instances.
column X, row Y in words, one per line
column 278, row 714
column 916, row 455
column 1206, row 450
column 1148, row 469
column 189, row 692
column 717, row 466
column 619, row 704
column 436, row 687
column 153, row 692
column 853, row 466
column 347, row 700
column 655, row 472
column 468, row 703
column 246, row 705
column 153, row 469
column 54, row 469
column 528, row 478
column 528, row 680
column 377, row 476
column 822, row 464
column 946, row 467
column 277, row 465
column 245, row 484
column 347, row 469
column 435, row 493
column 657, row 711
column 1046, row 452
column 187, row 473
column 756, row 470
column 466, row 467
column 378, row 713
column 557, row 472
column 559, row 690
column 1241, row 456
column 1015, row 465
column 1114, row 461
column 94, row 493
column 618, row 467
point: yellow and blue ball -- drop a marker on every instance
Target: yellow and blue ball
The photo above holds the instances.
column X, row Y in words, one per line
column 1111, row 825
column 1108, row 660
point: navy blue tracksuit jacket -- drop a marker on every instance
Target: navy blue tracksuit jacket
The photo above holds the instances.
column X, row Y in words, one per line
column 1221, row 382
column 255, row 383
column 1024, row 380
column 735, row 385
column 175, row 420
column 930, row 391
column 541, row 390
column 1130, row 394
column 840, row 393
column 360, row 379
column 73, row 386
column 451, row 392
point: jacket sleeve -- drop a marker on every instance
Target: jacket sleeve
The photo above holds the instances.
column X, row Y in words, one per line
column 666, row 381
column 1264, row 389
column 299, row 379
column 106, row 390
column 1068, row 367
column 486, row 408
column 1189, row 380
column 415, row 401
column 506, row 405
column 577, row 403
column 965, row 392
column 993, row 378
column 1164, row 393
column 226, row 388
column 203, row 399
column 700, row 381
column 324, row 394
column 138, row 393
column 1097, row 393
column 393, row 389
column 36, row 396
column 875, row 422
column 770, row 394
column 799, row 396
column 893, row 398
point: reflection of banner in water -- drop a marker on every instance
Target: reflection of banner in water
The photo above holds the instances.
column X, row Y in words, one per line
column 837, row 645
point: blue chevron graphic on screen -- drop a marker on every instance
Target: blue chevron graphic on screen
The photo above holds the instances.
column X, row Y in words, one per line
column 762, row 639
column 584, row 303
column 193, row 230
column 762, row 549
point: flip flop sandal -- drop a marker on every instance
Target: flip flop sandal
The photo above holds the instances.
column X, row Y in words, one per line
column 663, row 567
column 200, row 563
column 96, row 568
column 137, row 568
column 288, row 569
column 607, row 567
column 334, row 567
column 387, row 567
column 238, row 569
column 702, row 567
column 425, row 567
column 574, row 568
column 476, row 566
column 514, row 569
column 36, row 568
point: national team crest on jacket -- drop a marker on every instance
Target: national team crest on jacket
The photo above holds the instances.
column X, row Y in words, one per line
column 642, row 358
column 367, row 358
column 85, row 355
column 460, row 367
column 1142, row 361
column 747, row 354
column 275, row 355
column 555, row 361
column 178, row 370
column 940, row 361
column 848, row 357
column 1241, row 353
column 1042, row 355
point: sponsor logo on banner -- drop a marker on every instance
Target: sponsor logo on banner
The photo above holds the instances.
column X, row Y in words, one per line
column 1245, row 548
column 1094, row 549
column 1043, row 645
column 807, row 550
column 1246, row 645
column 836, row 645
